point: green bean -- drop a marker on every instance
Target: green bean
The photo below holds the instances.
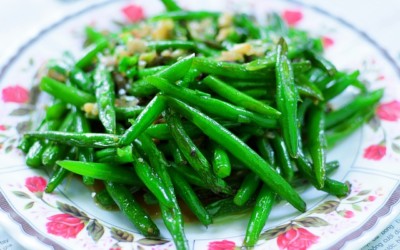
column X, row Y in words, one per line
column 91, row 53
column 120, row 155
column 321, row 62
column 155, row 106
column 247, row 189
column 104, row 200
column 284, row 161
column 243, row 21
column 127, row 112
column 340, row 84
column 239, row 71
column 81, row 80
column 56, row 178
column 53, row 151
column 286, row 99
column 102, row 171
column 188, row 195
column 194, row 156
column 265, row 150
column 347, row 127
column 93, row 35
column 226, row 207
column 34, row 155
column 141, row 88
column 131, row 208
column 359, row 102
column 85, row 154
column 187, row 45
column 309, row 89
column 259, row 216
column 239, row 98
column 317, row 142
column 105, row 98
column 220, row 162
column 330, row 186
column 92, row 140
column 151, row 180
column 211, row 105
column 245, row 154
column 185, row 15
column 67, row 94
column 171, row 5
column 56, row 110
column 142, row 73
column 172, row 217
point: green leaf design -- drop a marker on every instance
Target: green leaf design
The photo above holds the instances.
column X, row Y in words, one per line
column 356, row 207
column 72, row 211
column 397, row 138
column 121, row 236
column 374, row 123
column 326, row 207
column 8, row 149
column 364, row 192
column 29, row 205
column 396, row 148
column 312, row 221
column 95, row 230
column 21, row 111
column 152, row 241
column 22, row 195
column 354, row 198
column 23, row 126
column 273, row 233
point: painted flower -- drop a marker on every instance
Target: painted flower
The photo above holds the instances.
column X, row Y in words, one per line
column 222, row 245
column 375, row 152
column 133, row 13
column 389, row 111
column 296, row 239
column 15, row 93
column 371, row 198
column 2, row 128
column 348, row 214
column 64, row 225
column 292, row 17
column 327, row 42
column 35, row 184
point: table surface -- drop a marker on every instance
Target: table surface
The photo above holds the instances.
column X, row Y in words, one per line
column 22, row 19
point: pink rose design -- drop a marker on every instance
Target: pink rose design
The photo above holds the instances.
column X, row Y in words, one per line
column 327, row 42
column 222, row 245
column 35, row 184
column 348, row 214
column 371, row 198
column 133, row 13
column 389, row 111
column 375, row 152
column 64, row 225
column 296, row 239
column 15, row 93
column 292, row 17
column 2, row 128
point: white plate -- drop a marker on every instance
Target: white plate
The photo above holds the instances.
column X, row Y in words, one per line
column 369, row 158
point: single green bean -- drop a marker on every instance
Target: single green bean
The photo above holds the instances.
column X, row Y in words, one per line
column 105, row 98
column 220, row 162
column 317, row 142
column 91, row 53
column 67, row 94
column 247, row 189
column 286, row 99
column 259, row 216
column 284, row 161
column 102, row 171
column 92, row 140
column 132, row 209
column 185, row 15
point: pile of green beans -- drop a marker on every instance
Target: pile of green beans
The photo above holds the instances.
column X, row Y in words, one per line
column 158, row 120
